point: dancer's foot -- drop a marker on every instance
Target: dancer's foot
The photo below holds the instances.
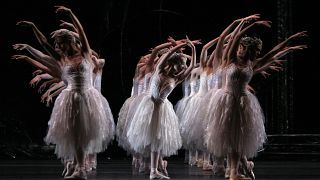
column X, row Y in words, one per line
column 163, row 168
column 69, row 169
column 157, row 175
column 227, row 173
column 207, row 167
column 200, row 163
column 142, row 167
column 219, row 170
column 235, row 176
column 192, row 161
column 249, row 170
column 79, row 174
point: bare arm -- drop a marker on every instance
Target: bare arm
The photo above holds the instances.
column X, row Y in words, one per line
column 34, row 81
column 33, row 62
column 57, row 88
column 154, row 55
column 49, row 82
column 65, row 24
column 193, row 60
column 39, row 56
column 41, row 39
column 275, row 59
column 204, row 52
column 164, row 57
column 279, row 48
column 83, row 38
column 232, row 51
column 219, row 49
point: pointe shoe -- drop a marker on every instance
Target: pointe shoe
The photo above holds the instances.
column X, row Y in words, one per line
column 249, row 170
column 134, row 160
column 163, row 169
column 235, row 176
column 220, row 170
column 192, row 161
column 69, row 169
column 200, row 163
column 142, row 167
column 64, row 171
column 157, row 175
column 227, row 173
column 207, row 167
column 239, row 177
column 79, row 174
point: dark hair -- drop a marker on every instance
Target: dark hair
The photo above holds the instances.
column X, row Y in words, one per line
column 64, row 34
column 163, row 51
column 175, row 59
column 253, row 44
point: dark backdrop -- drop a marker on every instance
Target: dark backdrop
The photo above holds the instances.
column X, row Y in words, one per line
column 123, row 30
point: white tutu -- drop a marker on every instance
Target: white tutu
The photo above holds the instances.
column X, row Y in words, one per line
column 154, row 127
column 235, row 123
column 80, row 118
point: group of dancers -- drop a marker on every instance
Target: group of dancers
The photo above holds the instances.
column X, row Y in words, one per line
column 218, row 121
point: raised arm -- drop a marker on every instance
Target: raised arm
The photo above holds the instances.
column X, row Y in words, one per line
column 165, row 56
column 193, row 60
column 39, row 56
column 204, row 52
column 33, row 62
column 279, row 48
column 152, row 57
column 65, row 24
column 46, row 83
column 41, row 39
column 82, row 36
column 34, row 81
column 231, row 51
column 274, row 63
column 219, row 49
column 56, row 89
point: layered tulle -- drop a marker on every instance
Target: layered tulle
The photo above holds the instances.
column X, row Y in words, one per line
column 125, row 118
column 80, row 119
column 235, row 122
column 154, row 127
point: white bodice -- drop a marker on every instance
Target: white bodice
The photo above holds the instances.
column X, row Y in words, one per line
column 194, row 86
column 186, row 88
column 237, row 78
column 79, row 77
column 160, row 90
column 97, row 82
column 203, row 86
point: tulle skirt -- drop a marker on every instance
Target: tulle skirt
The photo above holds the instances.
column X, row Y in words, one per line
column 80, row 120
column 193, row 127
column 121, row 123
column 180, row 107
column 236, row 124
column 154, row 127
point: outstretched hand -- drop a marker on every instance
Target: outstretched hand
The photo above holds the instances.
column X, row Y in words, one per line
column 62, row 9
column 298, row 47
column 37, row 72
column 20, row 46
column 299, row 34
column 196, row 42
column 65, row 24
column 250, row 18
column 265, row 74
column 19, row 57
column 25, row 23
column 264, row 23
column 35, row 81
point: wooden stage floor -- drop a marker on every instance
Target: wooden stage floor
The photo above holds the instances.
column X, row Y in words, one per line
column 121, row 169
